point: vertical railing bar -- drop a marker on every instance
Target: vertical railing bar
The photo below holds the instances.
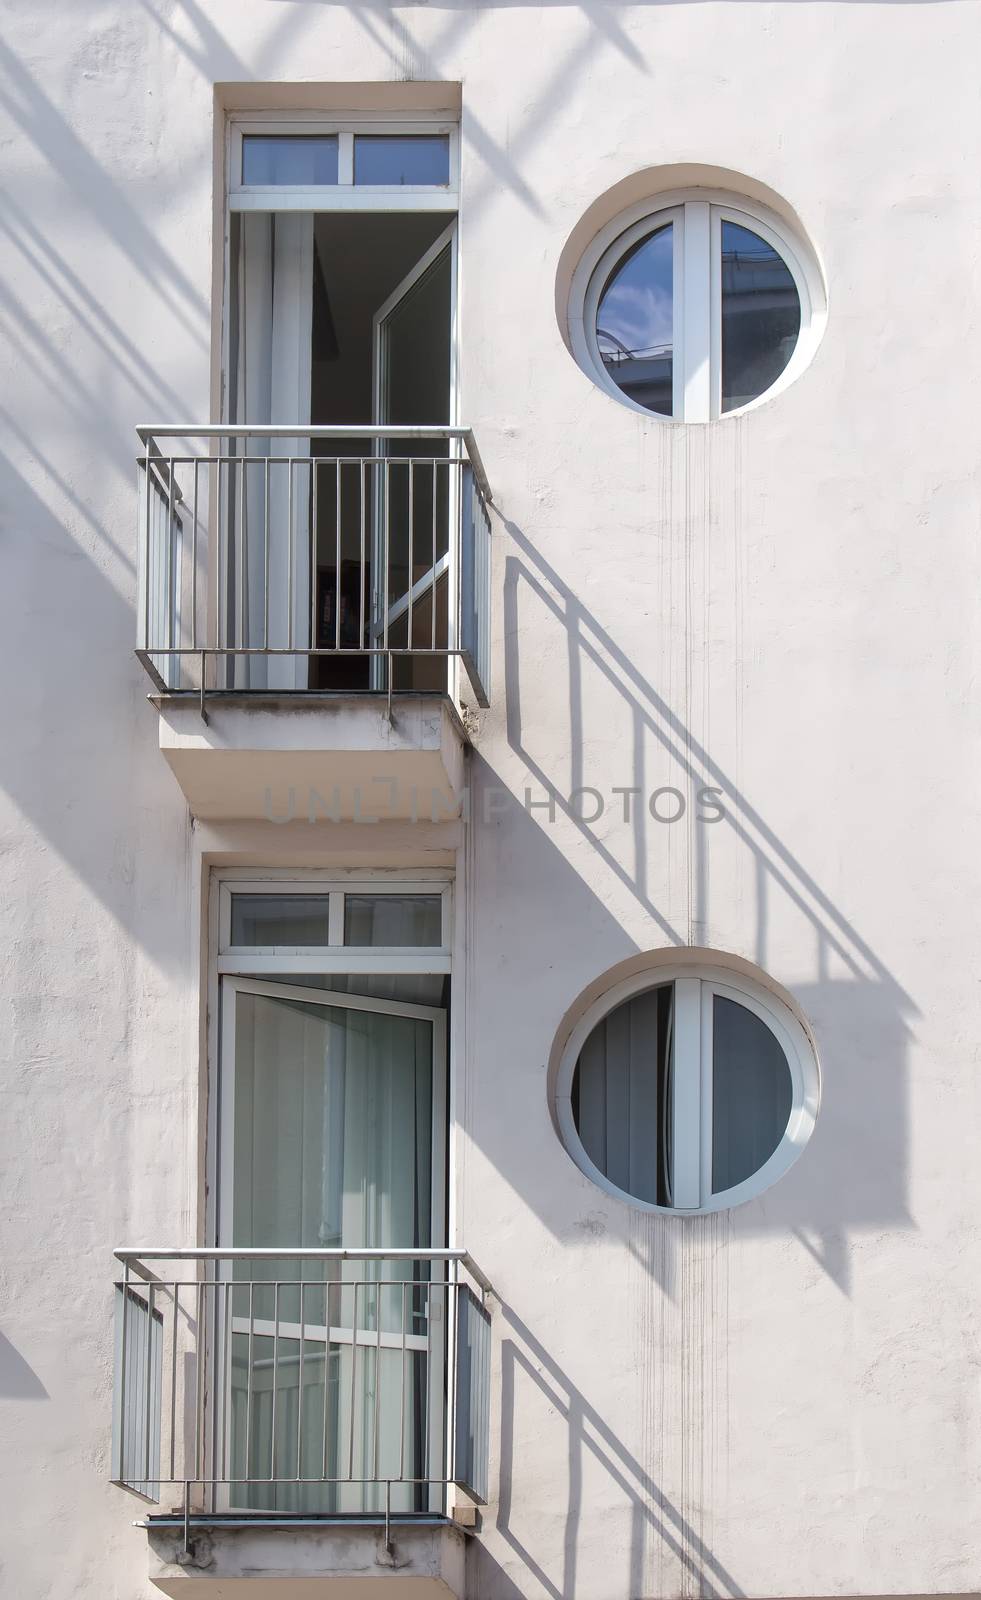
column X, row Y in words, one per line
column 354, row 1381
column 402, row 1394
column 170, row 605
column 485, row 598
column 222, row 566
column 173, row 1384
column 454, row 534
column 226, row 1379
column 299, row 1393
column 199, row 1380
column 243, row 597
column 215, row 1375
column 147, row 1385
column 427, row 1453
column 411, row 579
column 323, row 1472
column 194, row 561
column 364, row 569
column 267, row 532
column 272, row 1435
column 146, row 550
column 314, row 530
column 485, row 1380
column 387, row 512
column 248, row 1383
column 452, row 1370
column 433, row 587
column 289, row 552
column 452, row 1374
column 337, row 570
column 376, row 1418
column 123, row 1359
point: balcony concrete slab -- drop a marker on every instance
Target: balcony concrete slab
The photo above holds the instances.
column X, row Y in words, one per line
column 337, row 758
column 332, row 1562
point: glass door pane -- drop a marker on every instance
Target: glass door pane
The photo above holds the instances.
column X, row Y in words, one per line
column 332, row 1113
column 413, row 387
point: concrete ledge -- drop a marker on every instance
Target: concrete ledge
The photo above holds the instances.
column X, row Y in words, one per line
column 424, row 1561
column 337, row 759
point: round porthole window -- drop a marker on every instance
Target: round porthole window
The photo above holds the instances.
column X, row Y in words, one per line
column 688, row 1090
column 697, row 307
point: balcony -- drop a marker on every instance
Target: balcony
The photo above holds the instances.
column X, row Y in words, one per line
column 302, row 1414
column 314, row 614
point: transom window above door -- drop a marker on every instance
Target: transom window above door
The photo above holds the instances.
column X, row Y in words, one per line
column 695, row 307
column 312, row 164
column 378, row 924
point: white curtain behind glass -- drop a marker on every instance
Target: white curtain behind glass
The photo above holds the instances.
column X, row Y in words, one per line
column 619, row 1094
column 270, row 375
column 332, row 1146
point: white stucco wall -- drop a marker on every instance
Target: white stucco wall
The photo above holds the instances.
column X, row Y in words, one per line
column 777, row 1401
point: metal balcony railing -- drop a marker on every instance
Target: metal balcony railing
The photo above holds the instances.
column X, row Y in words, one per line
column 313, row 1383
column 299, row 559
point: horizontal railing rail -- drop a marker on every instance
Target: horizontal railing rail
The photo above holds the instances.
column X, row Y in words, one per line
column 297, row 558
column 148, row 432
column 318, row 1382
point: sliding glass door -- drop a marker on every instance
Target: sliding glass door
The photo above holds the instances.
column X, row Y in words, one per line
column 332, row 1135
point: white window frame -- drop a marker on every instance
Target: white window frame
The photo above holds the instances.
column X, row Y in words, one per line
column 244, row 967
column 231, row 988
column 691, row 1119
column 285, row 963
column 345, row 194
column 340, row 1000
column 335, row 956
column 697, row 216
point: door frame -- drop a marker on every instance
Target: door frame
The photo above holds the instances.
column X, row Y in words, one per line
column 441, row 1330
column 447, row 240
column 220, row 959
column 233, row 985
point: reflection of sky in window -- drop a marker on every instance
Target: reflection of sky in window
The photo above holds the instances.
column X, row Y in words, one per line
column 635, row 309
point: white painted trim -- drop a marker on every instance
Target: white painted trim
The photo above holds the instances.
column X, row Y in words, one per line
column 696, row 319
column 686, row 1080
column 332, row 997
column 701, row 318
column 711, row 981
column 315, row 878
column 382, row 617
column 324, row 959
column 363, row 198
column 345, row 195
column 232, row 986
column 583, row 327
column 335, row 956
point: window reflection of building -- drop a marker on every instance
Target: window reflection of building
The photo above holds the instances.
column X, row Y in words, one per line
column 760, row 315
column 644, row 375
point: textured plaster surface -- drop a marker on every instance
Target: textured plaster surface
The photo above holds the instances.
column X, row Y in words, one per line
column 781, row 1401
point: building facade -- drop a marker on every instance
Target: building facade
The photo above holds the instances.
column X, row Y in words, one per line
column 490, row 574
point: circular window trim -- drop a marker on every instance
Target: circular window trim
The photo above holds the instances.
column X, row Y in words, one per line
column 613, row 241
column 731, row 984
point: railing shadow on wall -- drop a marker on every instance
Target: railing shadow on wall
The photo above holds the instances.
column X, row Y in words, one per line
column 860, row 1013
column 661, row 1538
